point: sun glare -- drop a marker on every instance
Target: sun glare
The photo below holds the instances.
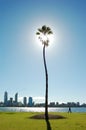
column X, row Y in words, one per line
column 45, row 38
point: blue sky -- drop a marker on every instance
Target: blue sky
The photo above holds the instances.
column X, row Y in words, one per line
column 21, row 60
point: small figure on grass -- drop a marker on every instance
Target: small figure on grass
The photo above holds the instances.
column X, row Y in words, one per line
column 69, row 110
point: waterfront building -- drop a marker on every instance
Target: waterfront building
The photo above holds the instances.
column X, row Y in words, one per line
column 16, row 98
column 11, row 101
column 25, row 101
column 30, row 103
column 5, row 98
column 52, row 104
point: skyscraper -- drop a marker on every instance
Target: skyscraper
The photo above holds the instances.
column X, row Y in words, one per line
column 30, row 103
column 11, row 101
column 25, row 101
column 16, row 98
column 5, row 98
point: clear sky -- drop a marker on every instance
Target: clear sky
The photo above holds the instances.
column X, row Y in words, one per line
column 21, row 60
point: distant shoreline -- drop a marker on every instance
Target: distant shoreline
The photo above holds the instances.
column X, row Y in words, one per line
column 48, row 106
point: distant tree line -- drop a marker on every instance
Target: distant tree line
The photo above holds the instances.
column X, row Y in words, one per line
column 57, row 104
column 51, row 104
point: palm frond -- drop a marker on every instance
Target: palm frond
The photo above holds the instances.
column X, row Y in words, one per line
column 44, row 30
column 44, row 27
column 40, row 30
column 50, row 32
column 37, row 33
column 48, row 29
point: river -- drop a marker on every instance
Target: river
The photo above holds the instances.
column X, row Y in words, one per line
column 41, row 109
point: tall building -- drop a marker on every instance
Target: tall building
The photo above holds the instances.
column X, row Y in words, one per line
column 16, row 98
column 25, row 101
column 30, row 103
column 5, row 98
column 11, row 101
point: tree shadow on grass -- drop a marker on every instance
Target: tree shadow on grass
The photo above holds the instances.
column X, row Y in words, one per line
column 48, row 124
column 50, row 116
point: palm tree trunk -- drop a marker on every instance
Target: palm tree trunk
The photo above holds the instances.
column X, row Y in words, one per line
column 46, row 92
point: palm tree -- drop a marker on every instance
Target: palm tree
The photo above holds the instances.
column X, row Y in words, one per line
column 43, row 36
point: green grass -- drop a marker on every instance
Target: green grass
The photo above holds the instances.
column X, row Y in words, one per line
column 22, row 121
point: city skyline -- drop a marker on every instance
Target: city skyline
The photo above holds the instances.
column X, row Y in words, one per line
column 18, row 98
column 27, row 99
column 29, row 102
column 10, row 101
column 21, row 61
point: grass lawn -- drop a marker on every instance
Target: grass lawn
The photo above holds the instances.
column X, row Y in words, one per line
column 22, row 121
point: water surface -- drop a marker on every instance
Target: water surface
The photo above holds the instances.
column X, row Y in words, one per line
column 41, row 109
